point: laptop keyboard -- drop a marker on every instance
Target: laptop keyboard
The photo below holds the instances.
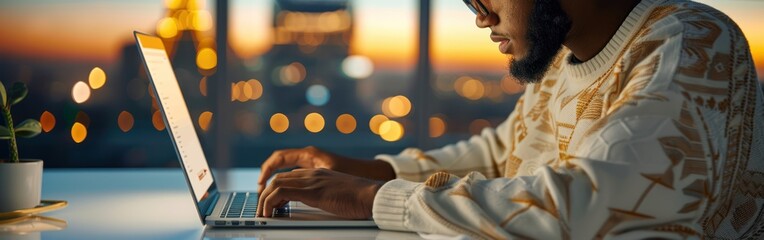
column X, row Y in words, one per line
column 240, row 205
column 244, row 205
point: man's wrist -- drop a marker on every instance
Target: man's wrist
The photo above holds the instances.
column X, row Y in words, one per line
column 370, row 194
column 382, row 170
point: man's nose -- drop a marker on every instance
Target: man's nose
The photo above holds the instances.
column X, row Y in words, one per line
column 486, row 21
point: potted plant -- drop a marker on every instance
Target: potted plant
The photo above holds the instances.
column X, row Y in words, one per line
column 20, row 180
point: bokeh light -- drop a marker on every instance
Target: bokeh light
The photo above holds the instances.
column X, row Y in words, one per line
column 317, row 95
column 472, row 89
column 79, row 132
column 48, row 121
column 257, row 89
column 493, row 91
column 204, row 120
column 80, row 92
column 203, row 86
column 510, row 86
column 235, row 92
column 459, row 84
column 97, row 78
column 201, row 20
column 206, row 59
column 477, row 125
column 125, row 121
column 183, row 19
column 245, row 90
column 167, row 27
column 314, row 122
column 346, row 123
column 279, row 123
column 399, row 106
column 358, row 66
column 375, row 122
column 293, row 73
column 157, row 121
column 391, row 131
column 173, row 4
column 437, row 127
column 386, row 107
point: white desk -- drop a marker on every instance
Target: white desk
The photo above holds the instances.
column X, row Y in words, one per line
column 153, row 204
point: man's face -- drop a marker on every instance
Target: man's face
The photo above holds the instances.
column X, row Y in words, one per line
column 530, row 31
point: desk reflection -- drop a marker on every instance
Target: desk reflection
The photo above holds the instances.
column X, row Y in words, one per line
column 145, row 204
column 211, row 233
column 29, row 228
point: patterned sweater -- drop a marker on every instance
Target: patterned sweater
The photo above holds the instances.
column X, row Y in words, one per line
column 659, row 135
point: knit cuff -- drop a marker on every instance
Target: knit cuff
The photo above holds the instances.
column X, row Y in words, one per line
column 390, row 204
column 405, row 164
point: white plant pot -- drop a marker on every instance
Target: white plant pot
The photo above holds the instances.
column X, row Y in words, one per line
column 20, row 185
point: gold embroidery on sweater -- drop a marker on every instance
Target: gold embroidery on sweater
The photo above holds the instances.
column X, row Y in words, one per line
column 665, row 179
column 618, row 216
column 699, row 38
column 698, row 189
column 513, row 164
column 743, row 213
column 698, row 88
column 658, row 13
column 462, row 191
column 424, row 174
column 488, row 228
column 546, row 204
column 638, row 78
column 545, row 124
column 437, row 180
column 515, row 214
column 541, row 107
column 521, row 131
column 750, row 184
column 424, row 157
column 593, row 110
column 691, row 207
column 721, row 68
column 683, row 231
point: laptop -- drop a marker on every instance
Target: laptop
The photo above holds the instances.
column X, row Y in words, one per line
column 216, row 208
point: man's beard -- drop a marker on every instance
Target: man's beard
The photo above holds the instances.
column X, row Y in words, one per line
column 547, row 27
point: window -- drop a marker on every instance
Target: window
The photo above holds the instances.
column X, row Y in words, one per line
column 332, row 74
column 336, row 74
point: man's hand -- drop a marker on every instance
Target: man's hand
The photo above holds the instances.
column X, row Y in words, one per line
column 338, row 193
column 311, row 157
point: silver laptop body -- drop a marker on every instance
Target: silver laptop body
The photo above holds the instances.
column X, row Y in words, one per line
column 224, row 209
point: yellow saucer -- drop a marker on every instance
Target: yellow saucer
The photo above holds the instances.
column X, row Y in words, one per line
column 45, row 206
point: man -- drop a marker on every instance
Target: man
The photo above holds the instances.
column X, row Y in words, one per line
column 641, row 119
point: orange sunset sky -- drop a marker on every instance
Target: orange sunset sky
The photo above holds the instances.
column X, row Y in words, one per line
column 385, row 31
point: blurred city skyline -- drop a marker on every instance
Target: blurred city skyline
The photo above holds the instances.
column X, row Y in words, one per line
column 385, row 31
column 343, row 79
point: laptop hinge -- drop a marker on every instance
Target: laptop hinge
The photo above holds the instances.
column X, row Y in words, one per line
column 213, row 202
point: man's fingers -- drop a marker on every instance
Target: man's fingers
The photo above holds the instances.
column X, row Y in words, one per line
column 286, row 159
column 273, row 162
column 279, row 197
column 286, row 179
column 296, row 173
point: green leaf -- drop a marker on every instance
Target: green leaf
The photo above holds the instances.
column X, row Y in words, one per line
column 18, row 92
column 3, row 95
column 5, row 134
column 28, row 128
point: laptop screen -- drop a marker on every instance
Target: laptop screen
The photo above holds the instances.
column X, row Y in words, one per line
column 180, row 126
